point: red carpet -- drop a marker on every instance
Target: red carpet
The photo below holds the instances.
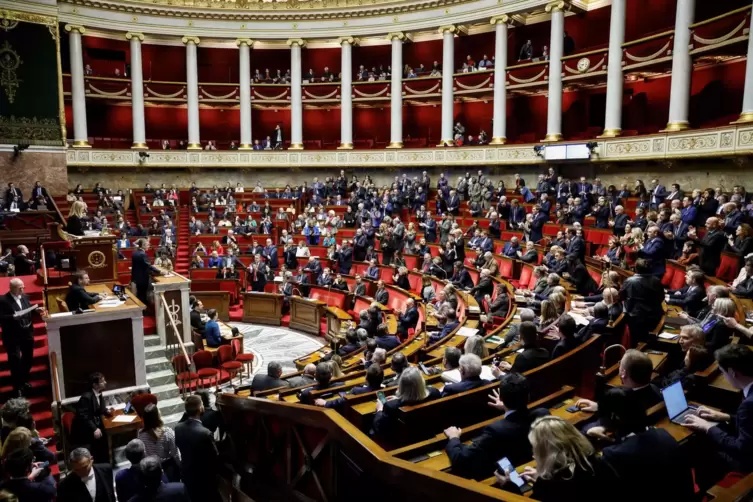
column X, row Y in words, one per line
column 31, row 287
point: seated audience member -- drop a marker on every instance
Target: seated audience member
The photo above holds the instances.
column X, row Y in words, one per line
column 197, row 324
column 470, row 376
column 84, row 477
column 566, row 329
column 384, row 340
column 690, row 297
column 24, row 436
column 308, row 377
column 154, row 489
column 567, row 467
column 744, row 287
column 374, row 378
column 351, row 345
column 597, row 325
column 27, row 480
column 532, row 356
column 476, row 345
column 696, row 359
column 271, row 380
column 412, row 390
column 323, row 381
column 642, row 457
column 718, row 334
column 398, row 363
column 507, row 437
column 513, row 334
column 731, row 436
column 77, row 297
column 450, row 360
column 211, row 333
column 127, row 481
column 451, row 323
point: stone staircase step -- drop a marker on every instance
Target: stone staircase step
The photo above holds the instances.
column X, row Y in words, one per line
column 154, row 351
column 166, row 391
column 172, row 420
column 151, row 340
column 171, row 406
column 157, row 364
column 158, row 378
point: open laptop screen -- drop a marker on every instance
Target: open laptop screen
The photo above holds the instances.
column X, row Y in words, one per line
column 674, row 398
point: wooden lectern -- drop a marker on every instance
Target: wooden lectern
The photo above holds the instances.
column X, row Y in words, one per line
column 109, row 340
column 97, row 255
column 263, row 308
column 175, row 290
column 305, row 314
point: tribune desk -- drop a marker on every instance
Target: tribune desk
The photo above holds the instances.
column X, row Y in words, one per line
column 109, row 340
column 175, row 289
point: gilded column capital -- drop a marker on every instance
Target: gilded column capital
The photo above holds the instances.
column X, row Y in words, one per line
column 74, row 27
column 451, row 28
column 397, row 35
column 350, row 40
column 189, row 38
column 503, row 19
column 296, row 41
column 131, row 35
column 244, row 41
column 557, row 6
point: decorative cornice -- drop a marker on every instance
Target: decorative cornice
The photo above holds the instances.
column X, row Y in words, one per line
column 190, row 38
column 74, row 27
column 557, row 6
column 246, row 41
column 131, row 35
column 296, row 41
column 27, row 17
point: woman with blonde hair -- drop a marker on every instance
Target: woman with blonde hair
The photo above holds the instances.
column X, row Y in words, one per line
column 427, row 290
column 336, row 364
column 76, row 214
column 566, row 464
column 18, row 439
column 548, row 314
column 476, row 345
column 411, row 389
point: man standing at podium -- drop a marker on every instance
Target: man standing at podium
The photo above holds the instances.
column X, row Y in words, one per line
column 142, row 270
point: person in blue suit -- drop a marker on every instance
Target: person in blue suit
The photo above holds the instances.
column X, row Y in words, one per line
column 653, row 251
column 212, row 330
column 540, row 217
column 154, row 489
column 127, row 481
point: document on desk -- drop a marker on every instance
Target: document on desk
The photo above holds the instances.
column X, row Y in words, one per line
column 124, row 419
column 110, row 303
column 467, row 331
column 668, row 336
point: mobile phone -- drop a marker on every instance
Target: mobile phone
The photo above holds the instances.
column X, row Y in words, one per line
column 572, row 409
column 495, row 361
column 127, row 408
column 381, row 397
column 424, row 369
column 45, row 465
column 506, row 467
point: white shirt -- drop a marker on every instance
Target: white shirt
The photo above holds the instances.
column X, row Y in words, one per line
column 91, row 484
column 747, row 388
column 18, row 300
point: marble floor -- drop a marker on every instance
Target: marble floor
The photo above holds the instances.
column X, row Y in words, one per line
column 270, row 343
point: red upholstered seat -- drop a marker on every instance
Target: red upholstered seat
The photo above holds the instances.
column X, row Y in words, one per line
column 225, row 356
column 184, row 377
column 669, row 273
column 595, row 275
column 526, row 272
column 728, row 268
column 505, row 268
column 678, row 279
column 204, row 370
column 140, row 401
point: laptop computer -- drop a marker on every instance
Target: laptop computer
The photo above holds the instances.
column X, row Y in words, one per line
column 677, row 405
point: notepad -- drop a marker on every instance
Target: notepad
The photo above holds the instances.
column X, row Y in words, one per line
column 464, row 331
column 124, row 419
column 110, row 303
column 668, row 336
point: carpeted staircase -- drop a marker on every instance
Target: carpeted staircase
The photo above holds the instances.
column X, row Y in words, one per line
column 183, row 252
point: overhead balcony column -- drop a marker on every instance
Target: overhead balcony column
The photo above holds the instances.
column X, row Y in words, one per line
column 396, row 90
column 244, row 54
column 556, row 49
column 747, row 113
column 296, row 95
column 613, row 118
column 448, row 68
column 78, row 93
column 192, row 91
column 137, row 92
column 499, row 128
column 682, row 68
column 346, row 92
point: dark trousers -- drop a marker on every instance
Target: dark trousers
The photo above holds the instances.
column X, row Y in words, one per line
column 141, row 292
column 20, row 354
column 640, row 327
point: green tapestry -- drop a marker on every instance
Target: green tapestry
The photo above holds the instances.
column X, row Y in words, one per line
column 30, row 111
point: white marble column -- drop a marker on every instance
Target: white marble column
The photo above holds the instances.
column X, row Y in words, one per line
column 396, row 90
column 346, row 93
column 137, row 92
column 192, row 91
column 499, row 129
column 747, row 113
column 682, row 68
column 448, row 68
column 78, row 93
column 613, row 118
column 244, row 53
column 296, row 95
column 556, row 47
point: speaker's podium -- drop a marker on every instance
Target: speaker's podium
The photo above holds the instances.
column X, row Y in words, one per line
column 96, row 254
column 109, row 339
column 171, row 293
column 306, row 314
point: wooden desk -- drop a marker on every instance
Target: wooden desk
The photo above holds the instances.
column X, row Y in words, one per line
column 217, row 300
column 337, row 321
column 112, row 428
column 262, row 308
column 305, row 314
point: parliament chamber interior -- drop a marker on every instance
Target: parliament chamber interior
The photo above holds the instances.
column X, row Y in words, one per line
column 339, row 250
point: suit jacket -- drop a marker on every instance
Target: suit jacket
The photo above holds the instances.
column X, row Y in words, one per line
column 735, row 441
column 73, row 489
column 619, row 224
column 462, row 279
column 30, row 491
column 14, row 329
column 166, row 492
column 529, row 359
column 196, row 323
column 594, row 327
column 302, row 381
column 712, row 245
column 387, row 342
column 462, row 386
column 79, row 298
column 691, row 301
column 128, row 484
column 88, row 417
column 382, row 297
column 199, row 459
column 141, row 268
column 504, row 438
column 265, row 382
column 577, row 247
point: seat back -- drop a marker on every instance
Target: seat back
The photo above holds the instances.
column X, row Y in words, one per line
column 526, row 272
column 237, row 345
column 202, row 359
column 140, row 401
column 198, row 341
column 62, row 306
column 505, row 267
column 225, row 353
column 179, row 364
column 678, row 279
column 728, row 268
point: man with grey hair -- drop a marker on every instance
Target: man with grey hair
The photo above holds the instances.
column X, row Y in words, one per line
column 17, row 334
column 308, row 377
column 470, row 376
column 271, row 380
column 127, row 481
column 512, row 335
column 87, row 481
column 154, row 488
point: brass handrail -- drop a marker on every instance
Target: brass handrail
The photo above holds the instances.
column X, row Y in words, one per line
column 55, row 377
column 175, row 329
column 648, row 38
column 720, row 16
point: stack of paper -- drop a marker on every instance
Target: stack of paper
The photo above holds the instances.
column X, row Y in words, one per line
column 668, row 336
column 110, row 303
column 467, row 331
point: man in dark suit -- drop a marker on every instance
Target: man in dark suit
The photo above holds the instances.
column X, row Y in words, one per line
column 408, row 319
column 270, row 254
column 532, row 356
column 384, row 339
column 199, row 457
column 257, row 274
column 323, row 382
column 24, row 265
column 691, row 297
column 344, row 257
column 460, row 277
column 127, row 481
column 87, row 481
column 271, row 380
column 507, row 437
column 643, row 295
column 374, row 378
column 576, row 245
column 470, row 376
column 142, row 270
column 731, row 436
column 451, row 323
column 598, row 325
column 17, row 334
column 711, row 246
column 155, row 489
column 77, row 297
column 88, row 426
column 12, row 192
column 620, row 221
column 381, row 296
column 484, row 287
column 197, row 324
column 308, row 377
column 25, row 478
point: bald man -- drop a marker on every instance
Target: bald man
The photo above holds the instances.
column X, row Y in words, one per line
column 18, row 334
column 711, row 245
column 408, row 319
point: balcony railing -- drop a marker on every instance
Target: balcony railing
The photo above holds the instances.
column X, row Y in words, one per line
column 721, row 31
